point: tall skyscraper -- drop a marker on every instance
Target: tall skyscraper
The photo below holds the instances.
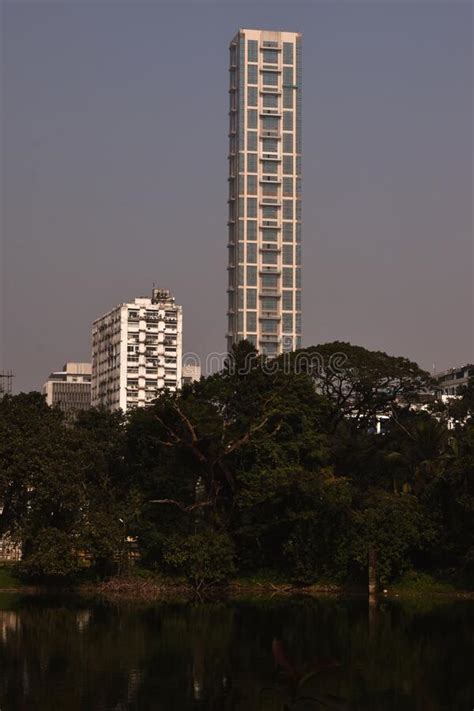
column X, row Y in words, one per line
column 137, row 352
column 264, row 287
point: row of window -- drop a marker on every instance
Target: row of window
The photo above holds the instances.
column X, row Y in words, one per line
column 290, row 255
column 268, row 123
column 269, row 56
column 268, row 145
column 268, row 78
column 291, row 277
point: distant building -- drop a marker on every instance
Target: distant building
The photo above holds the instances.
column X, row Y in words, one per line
column 69, row 388
column 449, row 381
column 137, row 352
column 191, row 373
column 264, row 263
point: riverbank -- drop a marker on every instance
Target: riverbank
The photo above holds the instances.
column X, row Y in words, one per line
column 139, row 586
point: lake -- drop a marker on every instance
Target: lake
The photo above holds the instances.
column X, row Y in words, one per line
column 70, row 653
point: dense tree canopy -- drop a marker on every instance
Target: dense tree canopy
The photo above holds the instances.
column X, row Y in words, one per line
column 267, row 466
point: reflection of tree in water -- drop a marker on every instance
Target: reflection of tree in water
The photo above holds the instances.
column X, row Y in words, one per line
column 259, row 656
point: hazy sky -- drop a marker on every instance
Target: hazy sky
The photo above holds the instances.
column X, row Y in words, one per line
column 114, row 171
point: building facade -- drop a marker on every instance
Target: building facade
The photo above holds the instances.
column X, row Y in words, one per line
column 449, row 381
column 191, row 373
column 137, row 352
column 69, row 388
column 264, row 225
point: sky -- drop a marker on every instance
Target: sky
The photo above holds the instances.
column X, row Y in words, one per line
column 114, row 171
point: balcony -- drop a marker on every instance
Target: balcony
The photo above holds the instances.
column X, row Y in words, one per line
column 269, row 269
column 270, row 247
column 274, row 315
column 270, row 156
column 270, row 133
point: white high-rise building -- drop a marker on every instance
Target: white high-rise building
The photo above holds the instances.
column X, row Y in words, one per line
column 264, row 288
column 137, row 352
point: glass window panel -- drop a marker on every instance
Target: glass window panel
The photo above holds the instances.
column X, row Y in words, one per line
column 270, row 101
column 252, row 74
column 287, row 120
column 268, row 325
column 252, row 276
column 252, row 118
column 287, row 232
column 252, row 142
column 251, row 321
column 269, row 235
column 287, row 98
column 287, row 165
column 287, row 209
column 251, row 162
column 270, row 145
column 252, row 50
column 287, row 300
column 269, row 258
column 251, row 229
column 288, row 187
column 251, row 298
column 270, row 281
column 270, row 190
column 287, row 254
column 288, row 76
column 270, row 56
column 251, row 207
column 241, row 298
column 287, row 277
column 287, row 53
column 252, row 252
column 270, row 212
column 270, row 78
column 269, row 166
column 252, row 184
column 287, row 323
column 287, row 143
column 252, row 96
column 269, row 303
column 270, row 123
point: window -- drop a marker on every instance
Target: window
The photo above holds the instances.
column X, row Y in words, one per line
column 298, row 277
column 268, row 325
column 298, row 300
column 287, row 301
column 251, row 298
column 241, row 299
column 241, row 251
column 270, row 101
column 270, row 56
column 269, row 258
column 252, row 117
column 252, row 96
column 251, row 321
column 287, row 165
column 269, row 303
column 252, row 74
column 288, row 187
column 287, row 120
column 269, row 166
column 241, row 183
column 251, row 229
column 270, row 190
column 287, row 209
column 287, row 254
column 288, row 76
column 252, row 184
column 270, row 123
column 270, row 145
column 287, row 98
column 252, row 50
column 252, row 143
column 287, row 143
column 251, row 162
column 287, row 323
column 287, row 232
column 252, row 276
column 252, row 252
column 241, row 229
column 270, row 281
column 269, row 235
column 269, row 212
column 251, row 207
column 270, row 78
column 287, row 277
column 287, row 53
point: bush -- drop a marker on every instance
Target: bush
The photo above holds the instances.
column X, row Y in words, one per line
column 202, row 558
column 51, row 556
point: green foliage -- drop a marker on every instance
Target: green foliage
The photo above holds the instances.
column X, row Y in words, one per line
column 51, row 556
column 202, row 558
column 265, row 466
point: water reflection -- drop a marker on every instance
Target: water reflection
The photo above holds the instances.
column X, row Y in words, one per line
column 298, row 654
